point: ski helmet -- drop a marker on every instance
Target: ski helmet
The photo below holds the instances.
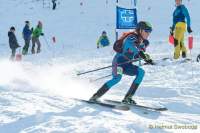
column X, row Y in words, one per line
column 27, row 22
column 12, row 28
column 40, row 23
column 143, row 25
column 104, row 32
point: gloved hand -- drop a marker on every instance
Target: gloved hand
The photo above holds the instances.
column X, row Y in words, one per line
column 146, row 42
column 189, row 29
column 42, row 34
column 32, row 29
column 18, row 46
column 150, row 61
column 147, row 57
column 142, row 55
column 171, row 31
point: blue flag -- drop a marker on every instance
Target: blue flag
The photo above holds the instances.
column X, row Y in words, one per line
column 126, row 18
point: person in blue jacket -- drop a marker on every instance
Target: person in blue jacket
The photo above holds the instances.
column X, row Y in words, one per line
column 103, row 40
column 27, row 37
column 134, row 46
column 180, row 16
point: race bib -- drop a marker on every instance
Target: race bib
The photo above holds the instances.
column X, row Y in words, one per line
column 119, row 70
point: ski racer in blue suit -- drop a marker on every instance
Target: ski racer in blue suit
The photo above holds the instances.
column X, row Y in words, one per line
column 134, row 45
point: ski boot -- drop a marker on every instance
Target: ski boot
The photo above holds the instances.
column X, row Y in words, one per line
column 24, row 52
column 184, row 55
column 99, row 93
column 128, row 98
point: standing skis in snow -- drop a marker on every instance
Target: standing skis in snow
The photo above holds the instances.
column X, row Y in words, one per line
column 35, row 38
column 103, row 40
column 128, row 47
column 179, row 27
column 12, row 42
column 27, row 37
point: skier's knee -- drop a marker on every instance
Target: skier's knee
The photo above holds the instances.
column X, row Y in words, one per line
column 139, row 76
column 114, row 81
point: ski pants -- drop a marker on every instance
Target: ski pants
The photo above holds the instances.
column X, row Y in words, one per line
column 179, row 47
column 26, row 46
column 127, row 69
column 35, row 40
column 12, row 57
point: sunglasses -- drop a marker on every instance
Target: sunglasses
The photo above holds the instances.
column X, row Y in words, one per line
column 148, row 31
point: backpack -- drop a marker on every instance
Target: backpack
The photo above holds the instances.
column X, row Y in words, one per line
column 118, row 45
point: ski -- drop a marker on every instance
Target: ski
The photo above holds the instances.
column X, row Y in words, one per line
column 139, row 106
column 166, row 58
column 185, row 60
column 108, row 105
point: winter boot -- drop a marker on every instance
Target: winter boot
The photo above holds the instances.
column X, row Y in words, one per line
column 33, row 51
column 99, row 93
column 24, row 51
column 38, row 50
column 128, row 98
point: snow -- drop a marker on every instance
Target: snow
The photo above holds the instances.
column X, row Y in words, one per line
column 36, row 93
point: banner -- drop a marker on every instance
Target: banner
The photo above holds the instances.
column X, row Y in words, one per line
column 126, row 18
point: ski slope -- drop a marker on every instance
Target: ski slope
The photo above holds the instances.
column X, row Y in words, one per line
column 36, row 94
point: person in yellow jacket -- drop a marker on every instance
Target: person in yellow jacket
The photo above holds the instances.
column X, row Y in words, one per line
column 179, row 27
column 103, row 40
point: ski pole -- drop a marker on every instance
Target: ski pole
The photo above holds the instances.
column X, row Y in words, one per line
column 45, row 40
column 134, row 60
column 101, row 78
column 48, row 46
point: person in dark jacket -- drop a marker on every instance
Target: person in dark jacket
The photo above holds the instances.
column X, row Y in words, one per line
column 54, row 4
column 12, row 42
column 27, row 37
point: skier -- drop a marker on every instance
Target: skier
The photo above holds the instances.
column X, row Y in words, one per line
column 12, row 42
column 103, row 40
column 132, row 47
column 27, row 37
column 54, row 4
column 35, row 38
column 179, row 27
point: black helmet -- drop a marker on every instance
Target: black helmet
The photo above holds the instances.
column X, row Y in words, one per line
column 104, row 32
column 143, row 25
column 12, row 28
column 27, row 22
